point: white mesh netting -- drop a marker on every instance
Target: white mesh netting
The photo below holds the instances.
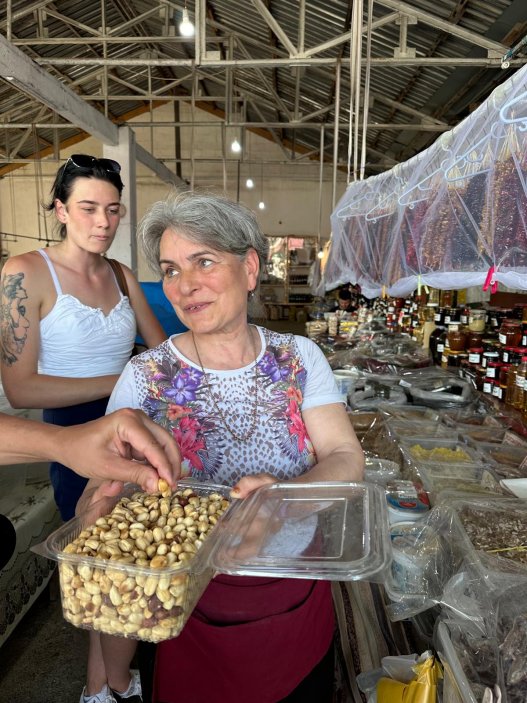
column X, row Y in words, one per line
column 447, row 216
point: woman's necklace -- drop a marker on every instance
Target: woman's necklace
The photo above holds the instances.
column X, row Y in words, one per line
column 241, row 438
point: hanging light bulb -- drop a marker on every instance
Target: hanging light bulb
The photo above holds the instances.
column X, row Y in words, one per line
column 249, row 183
column 320, row 253
column 236, row 147
column 261, row 204
column 186, row 28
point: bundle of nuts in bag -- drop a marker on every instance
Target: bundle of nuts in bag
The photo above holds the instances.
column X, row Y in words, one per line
column 147, row 589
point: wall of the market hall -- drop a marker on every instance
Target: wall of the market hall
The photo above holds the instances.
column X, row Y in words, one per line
column 294, row 201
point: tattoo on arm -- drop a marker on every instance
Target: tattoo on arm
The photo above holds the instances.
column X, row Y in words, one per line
column 14, row 325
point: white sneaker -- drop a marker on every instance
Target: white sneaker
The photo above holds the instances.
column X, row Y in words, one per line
column 104, row 696
column 133, row 693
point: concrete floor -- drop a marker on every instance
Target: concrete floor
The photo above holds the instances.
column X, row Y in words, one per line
column 44, row 660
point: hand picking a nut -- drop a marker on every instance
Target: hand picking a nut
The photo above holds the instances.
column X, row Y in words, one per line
column 145, row 539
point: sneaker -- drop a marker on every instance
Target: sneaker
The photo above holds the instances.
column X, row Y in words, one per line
column 104, row 696
column 133, row 693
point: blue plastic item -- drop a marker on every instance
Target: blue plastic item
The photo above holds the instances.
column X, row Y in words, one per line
column 162, row 309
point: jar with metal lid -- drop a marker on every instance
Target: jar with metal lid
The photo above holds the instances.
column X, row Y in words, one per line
column 464, row 316
column 474, row 356
column 488, row 385
column 452, row 315
column 504, row 374
column 477, row 320
column 453, row 360
column 497, row 390
column 510, row 334
column 492, row 369
column 439, row 316
column 489, row 357
column 479, row 378
column 474, row 339
column 457, row 337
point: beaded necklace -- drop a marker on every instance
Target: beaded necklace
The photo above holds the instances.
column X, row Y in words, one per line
column 240, row 438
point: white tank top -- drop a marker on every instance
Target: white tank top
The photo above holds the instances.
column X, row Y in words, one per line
column 78, row 341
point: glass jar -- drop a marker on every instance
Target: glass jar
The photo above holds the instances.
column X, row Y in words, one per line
column 510, row 334
column 492, row 370
column 474, row 339
column 453, row 360
column 465, row 315
column 457, row 338
column 477, row 320
column 439, row 316
column 474, row 356
column 497, row 390
column 504, row 374
column 489, row 358
column 452, row 315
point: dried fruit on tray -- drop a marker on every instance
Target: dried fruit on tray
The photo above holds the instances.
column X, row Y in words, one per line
column 457, row 455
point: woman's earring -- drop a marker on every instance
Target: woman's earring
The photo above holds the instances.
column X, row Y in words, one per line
column 251, row 294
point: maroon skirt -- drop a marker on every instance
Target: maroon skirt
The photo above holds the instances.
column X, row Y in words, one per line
column 249, row 639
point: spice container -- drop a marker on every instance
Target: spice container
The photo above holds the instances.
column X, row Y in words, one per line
column 312, row 530
column 510, row 333
column 477, row 320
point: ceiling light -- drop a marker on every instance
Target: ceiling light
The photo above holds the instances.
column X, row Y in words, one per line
column 9, row 78
column 186, row 28
column 261, row 205
column 236, row 147
column 249, row 183
column 320, row 253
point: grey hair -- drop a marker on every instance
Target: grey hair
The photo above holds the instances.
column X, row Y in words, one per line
column 205, row 218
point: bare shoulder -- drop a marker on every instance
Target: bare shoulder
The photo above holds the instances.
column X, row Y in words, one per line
column 27, row 273
column 27, row 263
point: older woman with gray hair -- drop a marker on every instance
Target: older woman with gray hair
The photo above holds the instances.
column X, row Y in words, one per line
column 247, row 407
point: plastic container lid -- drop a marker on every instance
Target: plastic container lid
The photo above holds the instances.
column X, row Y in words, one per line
column 335, row 531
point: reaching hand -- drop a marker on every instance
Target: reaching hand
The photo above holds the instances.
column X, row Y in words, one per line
column 124, row 446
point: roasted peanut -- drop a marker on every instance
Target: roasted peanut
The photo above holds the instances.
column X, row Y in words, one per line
column 142, row 531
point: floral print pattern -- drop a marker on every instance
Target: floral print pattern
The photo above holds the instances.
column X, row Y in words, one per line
column 184, row 400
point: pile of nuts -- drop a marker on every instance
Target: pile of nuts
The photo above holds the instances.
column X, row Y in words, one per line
column 145, row 591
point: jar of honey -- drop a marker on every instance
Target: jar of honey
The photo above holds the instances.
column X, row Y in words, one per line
column 510, row 333
column 457, row 338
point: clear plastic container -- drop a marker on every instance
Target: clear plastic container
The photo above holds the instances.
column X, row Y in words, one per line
column 333, row 530
column 416, row 428
column 380, row 471
column 496, row 525
column 140, row 602
column 312, row 530
column 456, row 686
column 459, row 477
column 506, row 459
column 494, row 435
column 423, row 450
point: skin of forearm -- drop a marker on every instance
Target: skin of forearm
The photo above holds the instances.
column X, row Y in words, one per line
column 27, row 440
column 42, row 391
column 344, row 464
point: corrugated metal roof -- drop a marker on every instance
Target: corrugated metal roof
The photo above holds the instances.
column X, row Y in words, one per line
column 65, row 38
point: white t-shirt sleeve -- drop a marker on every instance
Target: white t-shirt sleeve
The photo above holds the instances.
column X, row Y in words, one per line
column 321, row 387
column 124, row 394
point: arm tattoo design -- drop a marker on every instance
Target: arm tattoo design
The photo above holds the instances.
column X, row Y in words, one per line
column 13, row 322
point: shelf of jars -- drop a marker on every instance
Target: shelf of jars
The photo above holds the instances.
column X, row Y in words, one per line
column 285, row 291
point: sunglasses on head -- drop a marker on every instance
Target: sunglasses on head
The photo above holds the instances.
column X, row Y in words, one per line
column 90, row 162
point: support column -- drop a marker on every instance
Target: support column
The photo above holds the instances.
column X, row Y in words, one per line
column 124, row 247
